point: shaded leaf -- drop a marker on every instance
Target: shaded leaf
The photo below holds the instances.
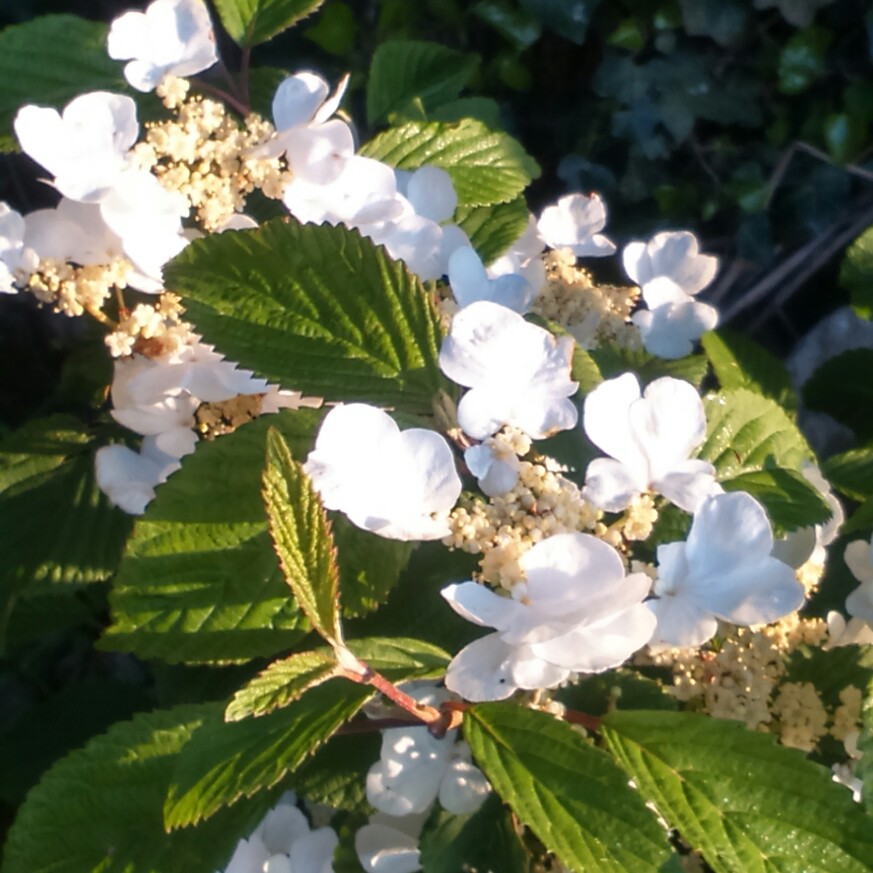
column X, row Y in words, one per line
column 745, row 803
column 598, row 693
column 493, row 229
column 486, row 167
column 851, row 472
column 316, row 308
column 199, row 580
column 574, row 799
column 402, row 70
column 115, row 826
column 856, row 274
column 841, row 388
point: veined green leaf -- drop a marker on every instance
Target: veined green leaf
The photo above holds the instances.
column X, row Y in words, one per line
column 739, row 362
column 301, row 538
column 746, row 431
column 199, row 580
column 841, row 388
column 748, row 805
column 486, row 167
column 791, row 502
column 316, row 308
column 79, row 63
column 856, row 274
column 225, row 761
column 251, row 22
column 283, row 681
column 116, row 825
column 402, row 70
column 574, row 799
column 851, row 472
column 493, row 229
column 865, row 746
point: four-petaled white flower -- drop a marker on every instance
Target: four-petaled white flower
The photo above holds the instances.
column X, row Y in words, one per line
column 576, row 612
column 470, row 283
column 517, row 373
column 400, row 485
column 575, row 223
column 172, row 37
column 670, row 328
column 17, row 257
column 859, row 558
column 723, row 571
column 649, row 439
column 86, row 146
column 129, row 478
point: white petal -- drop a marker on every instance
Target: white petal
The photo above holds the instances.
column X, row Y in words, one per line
column 281, row 827
column 859, row 559
column 688, row 484
column 606, row 416
column 669, row 331
column 319, row 154
column 313, row 853
column 432, row 194
column 481, row 605
column 681, row 623
column 382, row 849
column 297, row 99
column 463, row 788
column 482, row 670
column 859, row 604
column 610, row 485
column 403, row 791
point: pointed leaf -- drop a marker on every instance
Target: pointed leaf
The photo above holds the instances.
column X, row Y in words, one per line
column 486, row 167
column 483, row 840
column 865, row 747
column 851, row 472
column 281, row 683
column 748, row 805
column 116, row 825
column 251, row 22
column 856, row 274
column 840, row 388
column 402, row 70
column 573, row 798
column 225, row 761
column 740, row 362
column 791, row 502
column 746, row 431
column 397, row 658
column 199, row 580
column 301, row 538
column 493, row 229
column 316, row 308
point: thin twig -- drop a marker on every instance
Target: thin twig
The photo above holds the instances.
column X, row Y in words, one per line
column 234, row 103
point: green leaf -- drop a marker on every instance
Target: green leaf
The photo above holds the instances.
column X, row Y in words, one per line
column 851, row 472
column 284, row 681
column 199, row 580
column 841, row 388
column 482, row 840
column 791, row 502
column 861, row 519
column 573, row 798
column 251, row 22
column 225, row 761
column 802, row 60
column 301, row 538
column 493, row 229
column 865, row 746
column 79, row 63
column 486, row 167
column 116, row 826
column 745, row 803
column 402, row 70
column 56, row 527
column 831, row 670
column 568, row 18
column 856, row 274
column 281, row 683
column 746, row 431
column 336, row 30
column 739, row 362
column 591, row 367
column 599, row 693
column 369, row 565
column 316, row 308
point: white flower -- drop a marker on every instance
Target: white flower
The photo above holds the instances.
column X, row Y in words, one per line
column 670, row 328
column 577, row 612
column 129, row 478
column 649, row 439
column 859, row 558
column 854, row 632
column 284, row 843
column 575, row 223
column 495, row 473
column 17, row 258
column 415, row 768
column 518, row 373
column 400, row 485
column 470, row 283
column 725, row 571
column 673, row 255
column 389, row 844
column 86, row 147
column 172, row 37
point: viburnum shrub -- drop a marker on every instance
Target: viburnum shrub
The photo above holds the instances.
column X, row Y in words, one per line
column 507, row 574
